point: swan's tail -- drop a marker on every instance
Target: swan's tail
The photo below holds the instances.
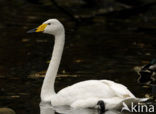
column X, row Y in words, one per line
column 143, row 99
column 129, row 101
column 135, row 100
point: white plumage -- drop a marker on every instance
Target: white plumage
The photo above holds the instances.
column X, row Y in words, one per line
column 84, row 94
column 88, row 93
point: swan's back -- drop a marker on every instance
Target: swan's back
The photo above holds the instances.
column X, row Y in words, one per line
column 119, row 89
column 96, row 89
column 87, row 88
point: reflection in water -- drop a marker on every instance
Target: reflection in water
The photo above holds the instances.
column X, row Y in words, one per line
column 66, row 110
column 46, row 108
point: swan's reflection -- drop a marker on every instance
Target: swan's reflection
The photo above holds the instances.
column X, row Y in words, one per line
column 47, row 109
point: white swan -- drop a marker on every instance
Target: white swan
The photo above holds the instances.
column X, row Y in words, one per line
column 83, row 94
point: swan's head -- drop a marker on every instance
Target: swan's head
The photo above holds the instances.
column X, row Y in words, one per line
column 51, row 26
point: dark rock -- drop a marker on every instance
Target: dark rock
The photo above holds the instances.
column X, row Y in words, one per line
column 6, row 111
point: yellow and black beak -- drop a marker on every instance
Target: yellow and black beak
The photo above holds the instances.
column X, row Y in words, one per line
column 41, row 28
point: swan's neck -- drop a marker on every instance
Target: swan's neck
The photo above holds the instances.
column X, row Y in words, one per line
column 48, row 90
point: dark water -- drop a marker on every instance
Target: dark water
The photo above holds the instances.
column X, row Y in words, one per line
column 106, row 48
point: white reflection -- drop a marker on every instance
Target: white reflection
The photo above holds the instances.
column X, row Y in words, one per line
column 47, row 109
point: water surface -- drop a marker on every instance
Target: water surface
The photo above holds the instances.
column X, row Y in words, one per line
column 106, row 48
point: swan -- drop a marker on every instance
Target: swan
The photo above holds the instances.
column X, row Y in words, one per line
column 85, row 94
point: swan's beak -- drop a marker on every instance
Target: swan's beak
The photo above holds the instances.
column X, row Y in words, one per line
column 41, row 28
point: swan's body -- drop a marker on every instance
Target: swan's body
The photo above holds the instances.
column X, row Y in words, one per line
column 83, row 94
column 88, row 93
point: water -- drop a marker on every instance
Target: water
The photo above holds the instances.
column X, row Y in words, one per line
column 108, row 48
column 66, row 110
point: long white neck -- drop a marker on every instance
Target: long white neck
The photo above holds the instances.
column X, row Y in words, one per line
column 48, row 84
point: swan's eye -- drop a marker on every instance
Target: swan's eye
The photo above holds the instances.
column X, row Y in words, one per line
column 49, row 23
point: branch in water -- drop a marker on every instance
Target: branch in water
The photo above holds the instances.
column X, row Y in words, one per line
column 125, row 12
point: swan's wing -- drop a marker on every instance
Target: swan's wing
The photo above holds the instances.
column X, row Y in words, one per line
column 85, row 103
column 95, row 88
column 100, row 89
column 85, row 89
column 82, row 90
column 110, row 103
column 119, row 89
